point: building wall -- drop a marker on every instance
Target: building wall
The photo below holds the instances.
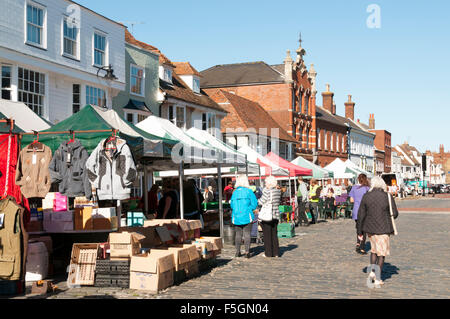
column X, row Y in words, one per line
column 325, row 154
column 60, row 72
column 361, row 150
column 150, row 62
column 383, row 142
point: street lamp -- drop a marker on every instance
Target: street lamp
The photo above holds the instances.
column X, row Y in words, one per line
column 109, row 77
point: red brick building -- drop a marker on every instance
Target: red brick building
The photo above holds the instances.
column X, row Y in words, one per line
column 443, row 158
column 286, row 91
column 383, row 142
column 331, row 131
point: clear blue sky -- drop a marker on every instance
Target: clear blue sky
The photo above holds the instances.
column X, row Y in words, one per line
column 400, row 72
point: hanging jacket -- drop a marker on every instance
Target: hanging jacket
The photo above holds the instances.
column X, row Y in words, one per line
column 68, row 169
column 243, row 203
column 112, row 176
column 32, row 174
column 13, row 239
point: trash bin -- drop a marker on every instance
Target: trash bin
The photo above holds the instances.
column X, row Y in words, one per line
column 228, row 234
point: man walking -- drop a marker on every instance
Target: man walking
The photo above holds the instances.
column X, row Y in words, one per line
column 302, row 200
column 314, row 196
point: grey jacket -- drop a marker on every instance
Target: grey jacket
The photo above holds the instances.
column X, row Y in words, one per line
column 68, row 169
column 276, row 200
column 112, row 177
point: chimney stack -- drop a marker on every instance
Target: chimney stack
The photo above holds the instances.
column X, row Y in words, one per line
column 350, row 109
column 288, row 67
column 328, row 100
column 372, row 122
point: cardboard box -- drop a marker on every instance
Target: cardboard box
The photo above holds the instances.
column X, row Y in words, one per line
column 204, row 248
column 35, row 226
column 64, row 216
column 125, row 245
column 62, row 222
column 215, row 241
column 178, row 228
column 48, row 201
column 195, row 227
column 102, row 223
column 153, row 271
column 105, row 212
column 151, row 239
column 83, row 218
column 83, row 201
column 164, row 235
column 180, row 256
column 192, row 269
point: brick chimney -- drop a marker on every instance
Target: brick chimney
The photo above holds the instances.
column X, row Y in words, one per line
column 327, row 98
column 334, row 108
column 372, row 122
column 350, row 109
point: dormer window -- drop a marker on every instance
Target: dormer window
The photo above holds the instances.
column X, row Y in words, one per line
column 196, row 85
column 167, row 75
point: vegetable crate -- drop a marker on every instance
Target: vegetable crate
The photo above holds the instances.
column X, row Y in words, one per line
column 286, row 230
column 82, row 265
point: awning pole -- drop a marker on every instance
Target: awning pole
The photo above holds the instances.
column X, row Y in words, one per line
column 219, row 174
column 145, row 189
column 246, row 166
column 259, row 171
column 290, row 190
column 181, row 175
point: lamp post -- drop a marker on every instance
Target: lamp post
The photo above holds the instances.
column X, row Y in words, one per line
column 109, row 77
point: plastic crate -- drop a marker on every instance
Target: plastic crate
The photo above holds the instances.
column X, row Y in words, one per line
column 112, row 267
column 119, row 281
column 135, row 219
column 82, row 265
column 286, row 230
column 285, row 209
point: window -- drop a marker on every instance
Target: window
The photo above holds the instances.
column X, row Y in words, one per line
column 196, row 87
column 141, row 118
column 6, row 82
column 99, row 49
column 332, row 142
column 95, row 96
column 168, row 75
column 301, row 103
column 129, row 117
column 177, row 115
column 32, row 89
column 319, row 139
column 76, row 98
column 35, row 25
column 306, row 104
column 137, row 80
column 209, row 123
column 343, row 144
column 70, row 40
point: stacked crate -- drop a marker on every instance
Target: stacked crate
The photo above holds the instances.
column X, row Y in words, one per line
column 112, row 273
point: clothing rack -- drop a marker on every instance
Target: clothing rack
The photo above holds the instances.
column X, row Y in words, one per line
column 9, row 122
column 72, row 132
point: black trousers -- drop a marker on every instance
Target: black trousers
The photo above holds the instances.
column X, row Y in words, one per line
column 270, row 233
column 361, row 244
column 302, row 213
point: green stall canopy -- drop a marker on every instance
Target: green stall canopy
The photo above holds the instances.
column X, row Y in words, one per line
column 318, row 172
column 93, row 118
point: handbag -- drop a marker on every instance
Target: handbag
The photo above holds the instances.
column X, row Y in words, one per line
column 392, row 215
column 266, row 211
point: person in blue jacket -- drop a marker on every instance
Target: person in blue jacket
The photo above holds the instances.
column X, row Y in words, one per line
column 243, row 204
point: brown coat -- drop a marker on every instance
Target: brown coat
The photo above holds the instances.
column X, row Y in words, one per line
column 32, row 174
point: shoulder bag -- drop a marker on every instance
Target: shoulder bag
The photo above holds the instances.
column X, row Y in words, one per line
column 266, row 211
column 392, row 214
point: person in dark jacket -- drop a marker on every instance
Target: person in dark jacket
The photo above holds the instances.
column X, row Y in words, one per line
column 374, row 219
column 168, row 205
column 243, row 204
column 314, row 197
column 271, row 195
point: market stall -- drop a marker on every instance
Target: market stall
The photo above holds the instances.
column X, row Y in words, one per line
column 341, row 170
column 317, row 171
column 25, row 119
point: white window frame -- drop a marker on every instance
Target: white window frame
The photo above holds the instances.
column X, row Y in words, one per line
column 105, row 52
column 43, row 44
column 76, row 56
column 142, row 94
column 126, row 114
column 175, row 120
column 167, row 75
column 319, row 140
column 79, row 97
column 87, row 91
column 9, row 89
column 43, row 94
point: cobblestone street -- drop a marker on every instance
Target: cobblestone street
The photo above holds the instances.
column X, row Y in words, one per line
column 321, row 263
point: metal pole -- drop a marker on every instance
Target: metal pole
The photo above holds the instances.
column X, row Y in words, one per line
column 259, row 172
column 219, row 174
column 145, row 190
column 181, row 175
column 246, row 166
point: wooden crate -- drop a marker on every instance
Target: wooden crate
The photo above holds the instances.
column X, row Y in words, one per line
column 82, row 265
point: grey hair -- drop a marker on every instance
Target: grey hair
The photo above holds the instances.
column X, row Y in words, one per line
column 378, row 182
column 271, row 182
column 242, row 181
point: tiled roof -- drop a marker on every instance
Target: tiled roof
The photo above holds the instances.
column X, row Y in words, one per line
column 246, row 114
column 180, row 90
column 324, row 115
column 132, row 40
column 185, row 68
column 408, row 151
column 238, row 74
column 352, row 124
column 279, row 68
